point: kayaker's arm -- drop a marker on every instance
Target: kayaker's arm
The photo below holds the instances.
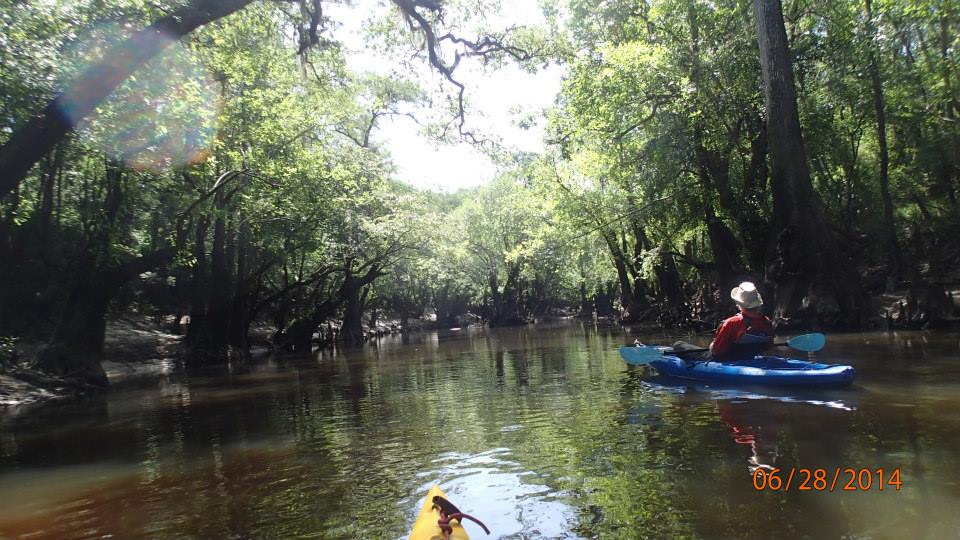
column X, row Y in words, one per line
column 725, row 336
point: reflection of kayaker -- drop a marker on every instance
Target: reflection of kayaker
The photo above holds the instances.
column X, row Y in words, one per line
column 830, row 398
column 763, row 448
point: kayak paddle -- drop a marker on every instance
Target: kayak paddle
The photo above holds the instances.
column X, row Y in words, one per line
column 641, row 354
column 637, row 355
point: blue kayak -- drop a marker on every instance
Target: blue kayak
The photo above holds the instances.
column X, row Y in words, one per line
column 761, row 370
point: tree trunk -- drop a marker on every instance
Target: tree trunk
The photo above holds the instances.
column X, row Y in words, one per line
column 626, row 288
column 45, row 216
column 352, row 329
column 240, row 314
column 713, row 172
column 632, row 301
column 220, row 287
column 814, row 281
column 374, row 316
column 197, row 330
column 511, row 298
column 725, row 248
column 506, row 302
column 894, row 258
column 494, row 285
column 40, row 134
column 755, row 176
column 638, row 299
column 78, row 339
column 350, row 293
column 669, row 281
column 586, row 306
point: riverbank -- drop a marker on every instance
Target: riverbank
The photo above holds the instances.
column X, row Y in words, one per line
column 134, row 346
column 137, row 346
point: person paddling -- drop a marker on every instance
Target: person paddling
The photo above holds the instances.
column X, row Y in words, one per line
column 740, row 337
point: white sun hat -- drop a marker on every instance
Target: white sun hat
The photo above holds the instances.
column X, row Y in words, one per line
column 746, row 295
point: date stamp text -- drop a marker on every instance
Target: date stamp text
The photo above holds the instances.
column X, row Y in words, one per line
column 822, row 479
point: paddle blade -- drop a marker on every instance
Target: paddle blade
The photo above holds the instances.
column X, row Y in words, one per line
column 808, row 342
column 638, row 356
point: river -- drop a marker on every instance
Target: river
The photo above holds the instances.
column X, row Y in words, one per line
column 541, row 432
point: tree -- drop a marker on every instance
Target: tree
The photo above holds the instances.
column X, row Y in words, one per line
column 505, row 225
column 891, row 245
column 45, row 130
column 30, row 142
column 812, row 271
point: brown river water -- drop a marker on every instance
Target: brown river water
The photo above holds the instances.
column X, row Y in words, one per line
column 541, row 432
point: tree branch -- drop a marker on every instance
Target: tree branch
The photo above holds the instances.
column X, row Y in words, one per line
column 484, row 47
column 316, row 15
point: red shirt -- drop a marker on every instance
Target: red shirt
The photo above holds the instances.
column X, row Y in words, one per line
column 733, row 328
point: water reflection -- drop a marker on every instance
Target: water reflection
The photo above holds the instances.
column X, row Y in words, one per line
column 753, row 415
column 540, row 432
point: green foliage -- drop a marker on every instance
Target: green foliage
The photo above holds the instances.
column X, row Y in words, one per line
column 659, row 126
column 657, row 150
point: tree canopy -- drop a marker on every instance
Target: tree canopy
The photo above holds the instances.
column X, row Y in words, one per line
column 213, row 165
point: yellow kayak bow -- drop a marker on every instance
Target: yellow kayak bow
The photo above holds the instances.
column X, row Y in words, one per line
column 426, row 526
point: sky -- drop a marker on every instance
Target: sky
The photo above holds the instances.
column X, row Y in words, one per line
column 497, row 98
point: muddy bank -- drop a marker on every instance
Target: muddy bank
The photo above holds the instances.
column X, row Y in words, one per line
column 133, row 347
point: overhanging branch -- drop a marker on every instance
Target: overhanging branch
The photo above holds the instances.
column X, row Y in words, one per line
column 485, row 47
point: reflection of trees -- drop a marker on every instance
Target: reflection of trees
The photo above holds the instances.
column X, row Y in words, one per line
column 337, row 448
column 665, row 469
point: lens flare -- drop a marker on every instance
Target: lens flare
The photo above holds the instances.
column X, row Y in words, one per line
column 163, row 116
